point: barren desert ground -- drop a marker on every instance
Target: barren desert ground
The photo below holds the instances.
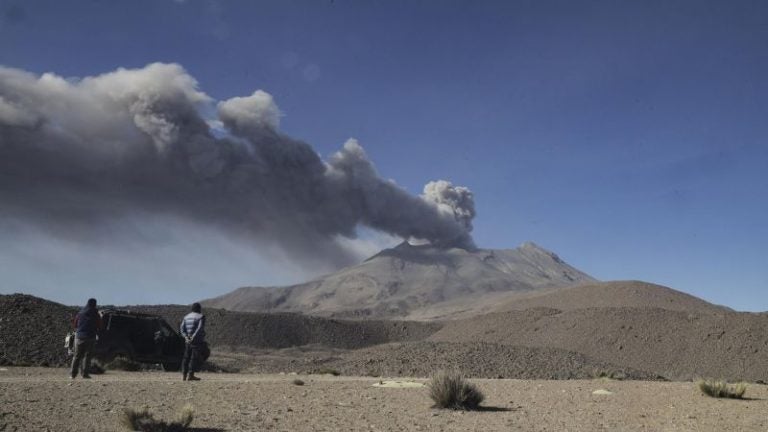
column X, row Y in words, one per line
column 44, row 399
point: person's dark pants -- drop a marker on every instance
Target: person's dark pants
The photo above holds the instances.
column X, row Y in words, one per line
column 82, row 360
column 191, row 360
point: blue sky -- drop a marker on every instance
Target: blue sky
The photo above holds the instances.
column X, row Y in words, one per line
column 628, row 137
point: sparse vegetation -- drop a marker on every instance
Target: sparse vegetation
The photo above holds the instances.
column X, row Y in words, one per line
column 298, row 382
column 609, row 374
column 144, row 421
column 721, row 389
column 449, row 390
column 328, row 371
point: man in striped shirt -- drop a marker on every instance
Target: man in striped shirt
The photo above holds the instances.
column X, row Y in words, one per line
column 193, row 330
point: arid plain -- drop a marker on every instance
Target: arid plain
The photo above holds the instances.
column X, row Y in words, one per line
column 44, row 399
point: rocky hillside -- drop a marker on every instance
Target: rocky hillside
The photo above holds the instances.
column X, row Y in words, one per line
column 414, row 282
column 608, row 294
column 32, row 330
column 676, row 344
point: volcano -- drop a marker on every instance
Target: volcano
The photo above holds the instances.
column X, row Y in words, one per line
column 417, row 282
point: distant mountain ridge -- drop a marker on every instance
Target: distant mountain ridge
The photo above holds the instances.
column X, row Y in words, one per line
column 414, row 282
column 631, row 294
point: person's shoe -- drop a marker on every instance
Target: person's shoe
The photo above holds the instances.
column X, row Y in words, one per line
column 184, row 377
column 71, row 377
column 192, row 378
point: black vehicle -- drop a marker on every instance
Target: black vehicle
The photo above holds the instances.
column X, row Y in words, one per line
column 140, row 337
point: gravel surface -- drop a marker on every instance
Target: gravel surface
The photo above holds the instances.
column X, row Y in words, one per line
column 478, row 359
column 34, row 399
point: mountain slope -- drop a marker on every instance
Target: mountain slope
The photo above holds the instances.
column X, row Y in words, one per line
column 608, row 294
column 676, row 344
column 415, row 282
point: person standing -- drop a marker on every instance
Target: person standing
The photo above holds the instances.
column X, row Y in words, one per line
column 87, row 324
column 193, row 330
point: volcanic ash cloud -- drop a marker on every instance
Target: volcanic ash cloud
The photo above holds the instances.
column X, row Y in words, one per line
column 76, row 155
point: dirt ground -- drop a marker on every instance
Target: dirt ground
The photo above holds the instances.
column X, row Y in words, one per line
column 44, row 399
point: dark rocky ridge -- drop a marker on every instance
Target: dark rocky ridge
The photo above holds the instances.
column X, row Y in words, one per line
column 32, row 329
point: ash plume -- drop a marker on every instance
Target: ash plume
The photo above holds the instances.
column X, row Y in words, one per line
column 77, row 156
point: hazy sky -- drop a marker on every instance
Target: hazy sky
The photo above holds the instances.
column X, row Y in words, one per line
column 628, row 137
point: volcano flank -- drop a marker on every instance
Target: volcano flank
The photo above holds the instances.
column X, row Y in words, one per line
column 417, row 282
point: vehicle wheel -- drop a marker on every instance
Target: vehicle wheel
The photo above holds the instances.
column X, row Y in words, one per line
column 171, row 367
column 122, row 351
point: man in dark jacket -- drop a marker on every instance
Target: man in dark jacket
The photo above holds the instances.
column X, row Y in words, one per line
column 193, row 329
column 87, row 324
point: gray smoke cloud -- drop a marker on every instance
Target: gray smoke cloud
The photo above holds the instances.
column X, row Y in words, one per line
column 79, row 156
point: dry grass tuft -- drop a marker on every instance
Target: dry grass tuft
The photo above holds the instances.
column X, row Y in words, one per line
column 145, row 421
column 186, row 415
column 449, row 390
column 608, row 374
column 721, row 389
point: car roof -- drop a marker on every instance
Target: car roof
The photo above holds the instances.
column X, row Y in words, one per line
column 129, row 314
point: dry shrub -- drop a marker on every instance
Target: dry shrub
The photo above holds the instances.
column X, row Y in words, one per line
column 328, row 371
column 145, row 421
column 298, row 382
column 449, row 390
column 721, row 389
column 609, row 374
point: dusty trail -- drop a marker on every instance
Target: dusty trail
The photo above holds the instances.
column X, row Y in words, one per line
column 39, row 399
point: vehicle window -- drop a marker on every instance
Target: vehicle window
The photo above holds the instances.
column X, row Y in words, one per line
column 117, row 323
column 166, row 329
